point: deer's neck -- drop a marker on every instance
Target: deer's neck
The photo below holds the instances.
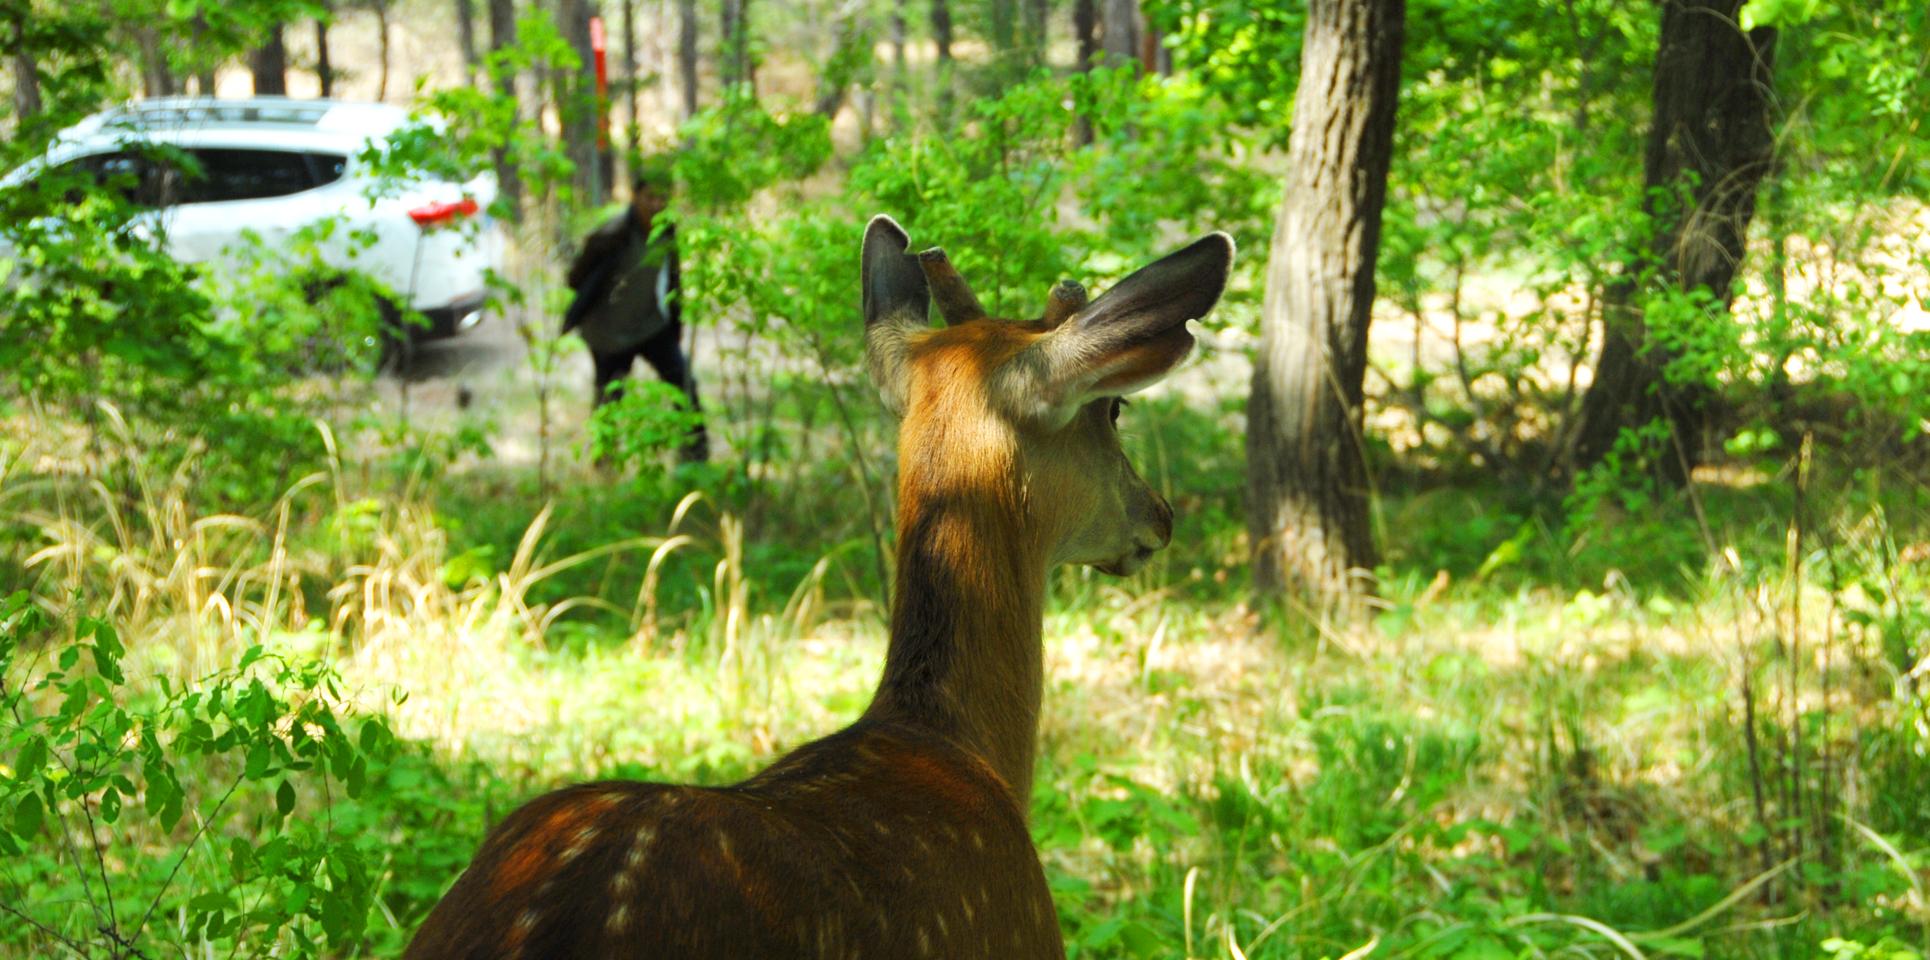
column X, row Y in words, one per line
column 966, row 655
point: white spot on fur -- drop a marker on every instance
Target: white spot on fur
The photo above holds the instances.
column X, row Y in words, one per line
column 527, row 921
column 924, row 942
column 619, row 918
column 978, row 840
column 575, row 849
column 966, row 902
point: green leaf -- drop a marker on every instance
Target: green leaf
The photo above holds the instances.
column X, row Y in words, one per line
column 28, row 815
column 285, row 798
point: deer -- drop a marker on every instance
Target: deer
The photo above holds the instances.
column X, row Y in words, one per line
column 904, row 834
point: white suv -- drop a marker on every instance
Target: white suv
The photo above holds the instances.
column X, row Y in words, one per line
column 272, row 165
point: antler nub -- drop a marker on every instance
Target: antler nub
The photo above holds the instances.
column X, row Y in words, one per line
column 952, row 294
column 1067, row 298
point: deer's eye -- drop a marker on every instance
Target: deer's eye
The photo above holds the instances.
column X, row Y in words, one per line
column 1117, row 405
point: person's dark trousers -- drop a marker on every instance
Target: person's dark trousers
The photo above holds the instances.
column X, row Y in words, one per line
column 665, row 354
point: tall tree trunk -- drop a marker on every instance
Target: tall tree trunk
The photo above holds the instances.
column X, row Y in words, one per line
column 269, row 65
column 324, row 67
column 1005, row 38
column 687, row 53
column 849, row 32
column 941, row 31
column 1121, row 33
column 633, row 94
column 204, row 72
column 157, row 80
column 1085, row 30
column 734, row 46
column 577, row 102
column 899, row 30
column 1306, row 474
column 1711, row 123
column 382, row 48
column 26, row 87
column 1038, row 31
column 466, row 35
column 502, row 34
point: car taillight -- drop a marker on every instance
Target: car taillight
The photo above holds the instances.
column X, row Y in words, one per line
column 443, row 211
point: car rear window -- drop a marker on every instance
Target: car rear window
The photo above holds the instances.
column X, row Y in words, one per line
column 233, row 174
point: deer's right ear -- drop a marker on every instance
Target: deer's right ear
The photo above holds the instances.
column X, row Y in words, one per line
column 896, row 304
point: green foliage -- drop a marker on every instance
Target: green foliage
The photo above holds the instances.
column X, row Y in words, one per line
column 89, row 751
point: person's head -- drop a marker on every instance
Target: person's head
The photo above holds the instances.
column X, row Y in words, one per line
column 650, row 192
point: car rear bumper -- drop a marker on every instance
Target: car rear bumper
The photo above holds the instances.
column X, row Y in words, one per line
column 450, row 319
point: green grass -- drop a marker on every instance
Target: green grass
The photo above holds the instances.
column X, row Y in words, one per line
column 1535, row 746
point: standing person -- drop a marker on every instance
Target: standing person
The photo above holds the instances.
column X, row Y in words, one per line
column 629, row 301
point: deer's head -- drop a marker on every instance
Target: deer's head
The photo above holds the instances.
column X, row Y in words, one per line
column 1013, row 423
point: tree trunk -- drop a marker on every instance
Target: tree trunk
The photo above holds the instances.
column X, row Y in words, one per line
column 502, row 34
column 1005, row 37
column 734, row 46
column 324, row 68
column 687, row 53
column 156, row 79
column 1085, row 30
column 577, row 102
column 836, row 78
column 204, row 74
column 26, row 87
column 1711, row 123
column 382, row 48
column 941, row 30
column 1038, row 31
column 466, row 35
column 898, row 31
column 269, row 65
column 632, row 94
column 1306, row 473
column 1121, row 32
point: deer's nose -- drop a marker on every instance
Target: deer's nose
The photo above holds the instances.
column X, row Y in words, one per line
column 1162, row 520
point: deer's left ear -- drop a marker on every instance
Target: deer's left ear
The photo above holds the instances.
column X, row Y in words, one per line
column 1127, row 340
column 896, row 303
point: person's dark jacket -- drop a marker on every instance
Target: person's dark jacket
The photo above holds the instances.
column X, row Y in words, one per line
column 627, row 285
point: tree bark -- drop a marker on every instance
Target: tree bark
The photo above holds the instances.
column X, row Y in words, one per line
column 382, row 48
column 734, row 45
column 632, row 94
column 941, row 30
column 26, row 87
column 1307, row 495
column 687, row 53
column 466, row 36
column 1038, row 31
column 1121, row 32
column 269, row 65
column 1085, row 31
column 502, row 34
column 156, row 79
column 577, row 102
column 324, row 67
column 1710, row 126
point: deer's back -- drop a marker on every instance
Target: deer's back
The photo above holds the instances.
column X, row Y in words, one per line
column 874, row 842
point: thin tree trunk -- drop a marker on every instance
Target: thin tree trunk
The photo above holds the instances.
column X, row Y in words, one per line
column 502, row 34
column 577, row 103
column 156, row 79
column 269, row 65
column 1038, row 31
column 324, row 67
column 734, row 46
column 1307, row 490
column 466, row 35
column 687, row 53
column 1121, row 32
column 382, row 48
column 26, row 87
column 899, row 29
column 941, row 31
column 632, row 93
column 1085, row 30
column 1710, row 123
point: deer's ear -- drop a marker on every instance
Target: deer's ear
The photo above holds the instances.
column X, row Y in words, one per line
column 1127, row 340
column 896, row 303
